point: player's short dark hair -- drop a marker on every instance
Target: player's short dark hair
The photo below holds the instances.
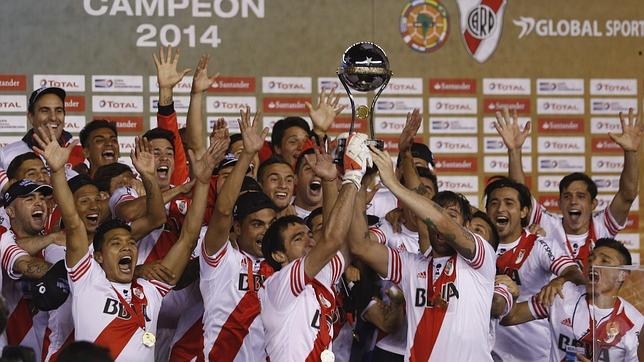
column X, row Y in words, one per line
column 104, row 175
column 578, row 176
column 300, row 159
column 449, row 198
column 234, row 138
column 424, row 172
column 494, row 238
column 280, row 127
column 104, row 228
column 419, row 150
column 309, row 219
column 273, row 160
column 615, row 245
column 525, row 199
column 160, row 133
column 273, row 239
column 84, row 351
column 12, row 170
column 93, row 126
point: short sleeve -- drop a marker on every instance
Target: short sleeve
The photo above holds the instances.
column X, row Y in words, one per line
column 609, row 226
column 281, row 288
column 10, row 252
column 394, row 266
column 553, row 256
column 482, row 252
column 161, row 287
column 209, row 264
column 537, row 212
column 79, row 275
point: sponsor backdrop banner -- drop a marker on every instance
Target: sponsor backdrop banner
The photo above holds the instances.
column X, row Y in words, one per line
column 567, row 67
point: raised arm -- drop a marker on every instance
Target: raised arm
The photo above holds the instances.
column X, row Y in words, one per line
column 56, row 157
column 323, row 166
column 133, row 209
column 202, row 166
column 34, row 244
column 222, row 217
column 410, row 174
column 356, row 160
column 630, row 141
column 362, row 243
column 168, row 77
column 195, row 124
column 323, row 114
column 457, row 236
column 513, row 137
column 155, row 216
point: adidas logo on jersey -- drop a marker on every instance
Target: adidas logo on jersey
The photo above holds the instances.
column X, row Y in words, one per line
column 422, row 275
column 567, row 322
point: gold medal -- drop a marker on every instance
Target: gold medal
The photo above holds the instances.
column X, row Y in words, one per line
column 149, row 339
column 327, row 356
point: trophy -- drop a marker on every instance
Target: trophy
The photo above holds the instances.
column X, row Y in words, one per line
column 364, row 67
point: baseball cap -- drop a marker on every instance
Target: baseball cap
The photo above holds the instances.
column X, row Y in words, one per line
column 229, row 160
column 420, row 150
column 250, row 202
column 23, row 188
column 33, row 98
column 51, row 291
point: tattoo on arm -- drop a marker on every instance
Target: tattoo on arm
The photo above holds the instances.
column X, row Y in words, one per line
column 421, row 190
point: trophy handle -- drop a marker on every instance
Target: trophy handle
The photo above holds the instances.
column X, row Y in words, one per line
column 353, row 104
column 373, row 107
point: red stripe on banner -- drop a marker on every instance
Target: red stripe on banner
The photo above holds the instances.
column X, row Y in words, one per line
column 116, row 335
column 190, row 345
column 19, row 323
column 235, row 329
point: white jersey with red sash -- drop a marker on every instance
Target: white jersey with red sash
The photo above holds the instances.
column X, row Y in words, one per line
column 448, row 303
column 298, row 311
column 232, row 328
column 116, row 316
column 25, row 324
column 571, row 319
column 531, row 261
column 602, row 224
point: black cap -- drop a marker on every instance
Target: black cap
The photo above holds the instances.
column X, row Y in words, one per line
column 23, row 188
column 79, row 181
column 52, row 290
column 229, row 160
column 250, row 202
column 420, row 150
column 33, row 98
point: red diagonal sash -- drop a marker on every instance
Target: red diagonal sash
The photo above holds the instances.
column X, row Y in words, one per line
column 323, row 338
column 512, row 260
column 433, row 315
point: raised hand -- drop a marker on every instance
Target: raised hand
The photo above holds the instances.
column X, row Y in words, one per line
column 252, row 134
column 322, row 165
column 201, row 81
column 412, row 125
column 632, row 131
column 203, row 165
column 48, row 146
column 142, row 157
column 382, row 160
column 167, row 74
column 326, row 110
column 219, row 131
column 508, row 128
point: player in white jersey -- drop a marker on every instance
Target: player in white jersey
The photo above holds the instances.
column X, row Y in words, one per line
column 298, row 299
column 110, row 307
column 592, row 321
column 578, row 225
column 230, row 277
column 446, row 293
column 531, row 261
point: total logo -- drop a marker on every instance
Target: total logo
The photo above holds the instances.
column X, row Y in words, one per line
column 13, row 103
column 132, row 104
column 561, row 144
column 613, row 86
column 506, row 86
column 607, row 164
column 286, row 84
column 496, row 164
column 560, row 105
column 389, row 125
column 549, row 183
column 453, row 144
column 404, row 86
column 184, row 86
column 453, row 105
column 458, row 183
column 605, row 125
column 224, row 104
column 70, row 83
column 117, row 105
column 75, row 124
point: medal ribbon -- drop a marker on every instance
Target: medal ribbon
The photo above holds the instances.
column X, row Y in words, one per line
column 138, row 318
column 609, row 332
